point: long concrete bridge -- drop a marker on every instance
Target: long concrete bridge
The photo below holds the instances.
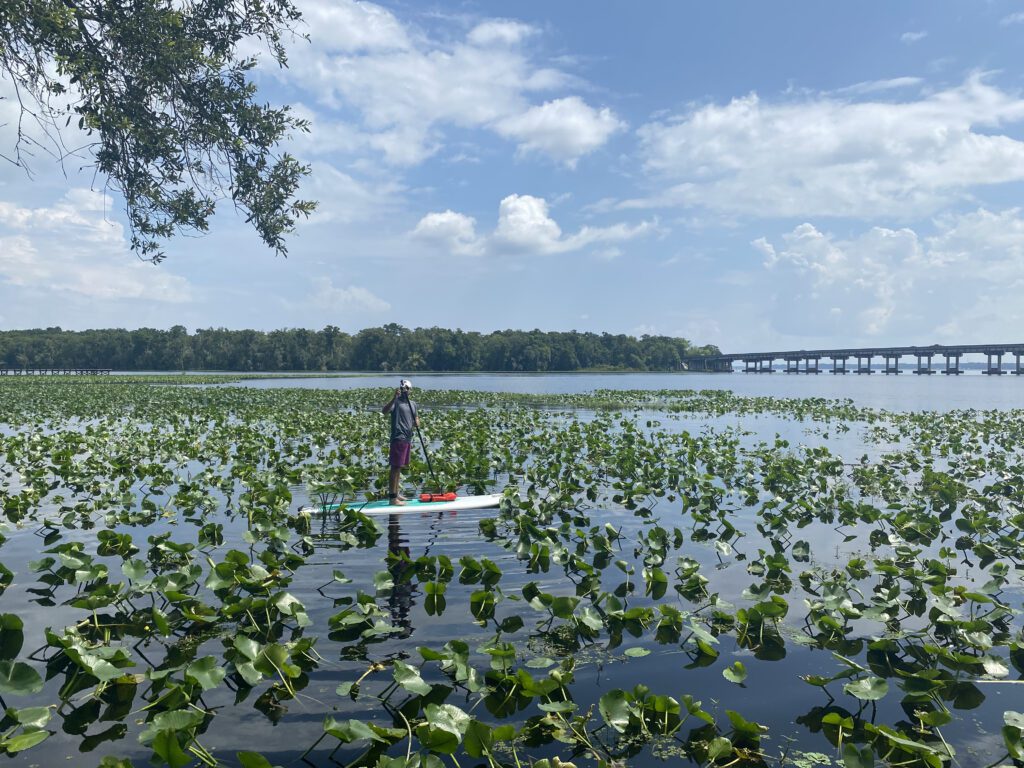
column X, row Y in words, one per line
column 809, row 360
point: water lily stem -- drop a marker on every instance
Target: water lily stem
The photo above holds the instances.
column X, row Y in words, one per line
column 312, row 746
column 408, row 728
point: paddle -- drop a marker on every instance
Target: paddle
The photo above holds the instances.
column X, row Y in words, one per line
column 427, row 457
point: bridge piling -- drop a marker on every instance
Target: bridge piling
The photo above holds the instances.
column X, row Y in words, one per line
column 996, row 370
column 894, row 367
column 924, row 370
column 836, row 368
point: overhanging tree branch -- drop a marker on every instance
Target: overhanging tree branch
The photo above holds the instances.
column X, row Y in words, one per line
column 162, row 92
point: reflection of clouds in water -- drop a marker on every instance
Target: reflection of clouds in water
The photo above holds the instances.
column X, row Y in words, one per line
column 976, row 746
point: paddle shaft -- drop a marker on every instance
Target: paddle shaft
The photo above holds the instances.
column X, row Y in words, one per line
column 427, row 457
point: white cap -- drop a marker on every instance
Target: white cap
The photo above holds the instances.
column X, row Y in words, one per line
column 406, row 384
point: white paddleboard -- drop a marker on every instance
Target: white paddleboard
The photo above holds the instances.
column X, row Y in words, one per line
column 382, row 507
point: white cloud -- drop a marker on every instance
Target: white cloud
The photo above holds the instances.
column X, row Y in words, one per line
column 609, row 254
column 877, row 86
column 353, row 27
column 986, row 245
column 349, row 299
column 449, row 230
column 20, row 263
column 524, row 226
column 564, row 128
column 826, row 286
column 397, row 90
column 327, row 136
column 909, row 38
column 896, row 285
column 345, row 200
column 1013, row 18
column 828, row 156
column 524, row 223
column 72, row 248
column 500, row 32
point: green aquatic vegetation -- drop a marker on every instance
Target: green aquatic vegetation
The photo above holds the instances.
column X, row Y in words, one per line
column 23, row 729
column 186, row 580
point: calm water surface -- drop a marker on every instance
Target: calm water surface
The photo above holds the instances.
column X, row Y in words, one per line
column 772, row 694
column 904, row 392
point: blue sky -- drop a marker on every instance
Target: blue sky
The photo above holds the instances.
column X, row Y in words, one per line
column 752, row 175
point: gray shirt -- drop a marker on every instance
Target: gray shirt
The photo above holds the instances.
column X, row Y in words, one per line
column 403, row 420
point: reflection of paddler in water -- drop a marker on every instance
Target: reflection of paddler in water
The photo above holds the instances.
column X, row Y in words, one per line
column 400, row 602
column 400, row 566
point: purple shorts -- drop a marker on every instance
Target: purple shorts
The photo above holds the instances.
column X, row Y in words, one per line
column 398, row 456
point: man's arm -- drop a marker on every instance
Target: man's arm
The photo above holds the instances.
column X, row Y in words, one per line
column 391, row 403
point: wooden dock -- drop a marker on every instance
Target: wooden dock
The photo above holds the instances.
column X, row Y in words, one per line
column 54, row 371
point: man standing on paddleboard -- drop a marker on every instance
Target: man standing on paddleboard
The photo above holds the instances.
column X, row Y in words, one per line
column 404, row 422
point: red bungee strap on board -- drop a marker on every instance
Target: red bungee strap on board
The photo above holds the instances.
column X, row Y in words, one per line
column 426, row 497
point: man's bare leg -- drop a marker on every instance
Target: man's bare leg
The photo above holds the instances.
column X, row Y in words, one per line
column 393, row 480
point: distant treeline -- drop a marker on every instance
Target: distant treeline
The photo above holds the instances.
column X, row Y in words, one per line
column 390, row 348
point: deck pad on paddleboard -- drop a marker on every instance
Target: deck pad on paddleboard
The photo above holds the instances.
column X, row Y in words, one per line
column 415, row 505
